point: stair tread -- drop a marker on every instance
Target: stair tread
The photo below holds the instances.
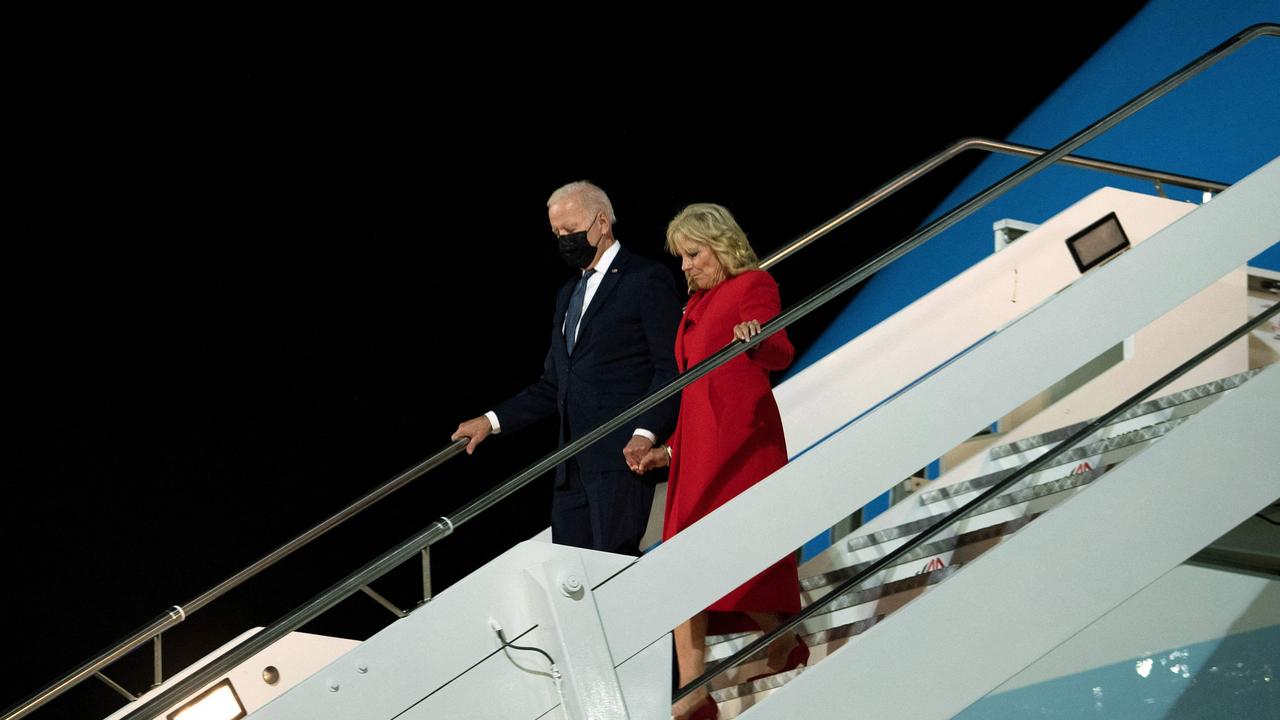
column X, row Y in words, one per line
column 1155, row 405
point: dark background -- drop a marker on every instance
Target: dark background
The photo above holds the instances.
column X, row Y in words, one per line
column 243, row 295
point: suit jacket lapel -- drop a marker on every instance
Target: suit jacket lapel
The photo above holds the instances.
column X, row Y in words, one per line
column 608, row 282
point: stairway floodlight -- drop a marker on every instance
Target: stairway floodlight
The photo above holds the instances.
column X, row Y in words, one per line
column 219, row 702
column 1098, row 243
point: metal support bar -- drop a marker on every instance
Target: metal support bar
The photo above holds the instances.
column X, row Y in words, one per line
column 378, row 598
column 157, row 661
column 426, row 575
column 116, row 686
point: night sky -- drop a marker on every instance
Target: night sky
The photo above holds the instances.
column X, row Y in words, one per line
column 242, row 296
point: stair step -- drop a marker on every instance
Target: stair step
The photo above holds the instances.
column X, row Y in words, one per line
column 1159, row 404
column 1128, row 440
column 1014, row 497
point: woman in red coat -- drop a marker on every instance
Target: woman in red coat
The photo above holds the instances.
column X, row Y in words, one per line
column 729, row 434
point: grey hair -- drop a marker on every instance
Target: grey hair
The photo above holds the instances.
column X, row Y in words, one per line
column 590, row 196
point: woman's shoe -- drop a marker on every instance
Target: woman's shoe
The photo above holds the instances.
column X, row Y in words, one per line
column 798, row 656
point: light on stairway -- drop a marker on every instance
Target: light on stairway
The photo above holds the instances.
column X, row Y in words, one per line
column 1098, row 243
column 219, row 702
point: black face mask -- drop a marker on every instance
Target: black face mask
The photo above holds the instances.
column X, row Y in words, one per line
column 574, row 248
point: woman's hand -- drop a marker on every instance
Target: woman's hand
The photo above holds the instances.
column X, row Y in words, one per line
column 746, row 330
column 635, row 451
column 657, row 457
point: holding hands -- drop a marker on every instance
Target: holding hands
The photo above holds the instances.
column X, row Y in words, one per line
column 635, row 451
column 655, row 457
column 641, row 454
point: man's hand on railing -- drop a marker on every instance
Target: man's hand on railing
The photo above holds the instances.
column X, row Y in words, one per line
column 477, row 429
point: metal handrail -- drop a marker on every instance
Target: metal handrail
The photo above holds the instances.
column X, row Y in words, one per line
column 445, row 526
column 960, row 513
column 179, row 613
column 994, row 146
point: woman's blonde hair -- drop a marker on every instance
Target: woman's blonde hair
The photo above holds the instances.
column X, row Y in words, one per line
column 713, row 226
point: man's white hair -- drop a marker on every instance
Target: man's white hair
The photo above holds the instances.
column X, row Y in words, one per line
column 591, row 197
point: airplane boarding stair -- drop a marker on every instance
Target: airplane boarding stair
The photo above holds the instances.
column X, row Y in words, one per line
column 1079, row 404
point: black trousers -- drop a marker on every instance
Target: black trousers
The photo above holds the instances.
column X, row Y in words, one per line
column 604, row 510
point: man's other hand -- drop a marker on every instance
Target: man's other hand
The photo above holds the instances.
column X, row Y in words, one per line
column 476, row 428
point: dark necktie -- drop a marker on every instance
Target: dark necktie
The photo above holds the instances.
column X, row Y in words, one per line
column 575, row 311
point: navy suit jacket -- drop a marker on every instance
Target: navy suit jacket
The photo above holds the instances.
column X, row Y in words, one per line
column 625, row 350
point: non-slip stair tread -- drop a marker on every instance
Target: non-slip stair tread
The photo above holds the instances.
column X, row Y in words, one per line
column 858, row 597
column 935, row 547
column 1044, row 489
column 1074, row 455
column 1150, row 406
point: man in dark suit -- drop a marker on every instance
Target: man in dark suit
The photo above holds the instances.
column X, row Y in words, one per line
column 612, row 343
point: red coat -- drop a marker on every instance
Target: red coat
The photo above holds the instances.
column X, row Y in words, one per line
column 728, row 435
